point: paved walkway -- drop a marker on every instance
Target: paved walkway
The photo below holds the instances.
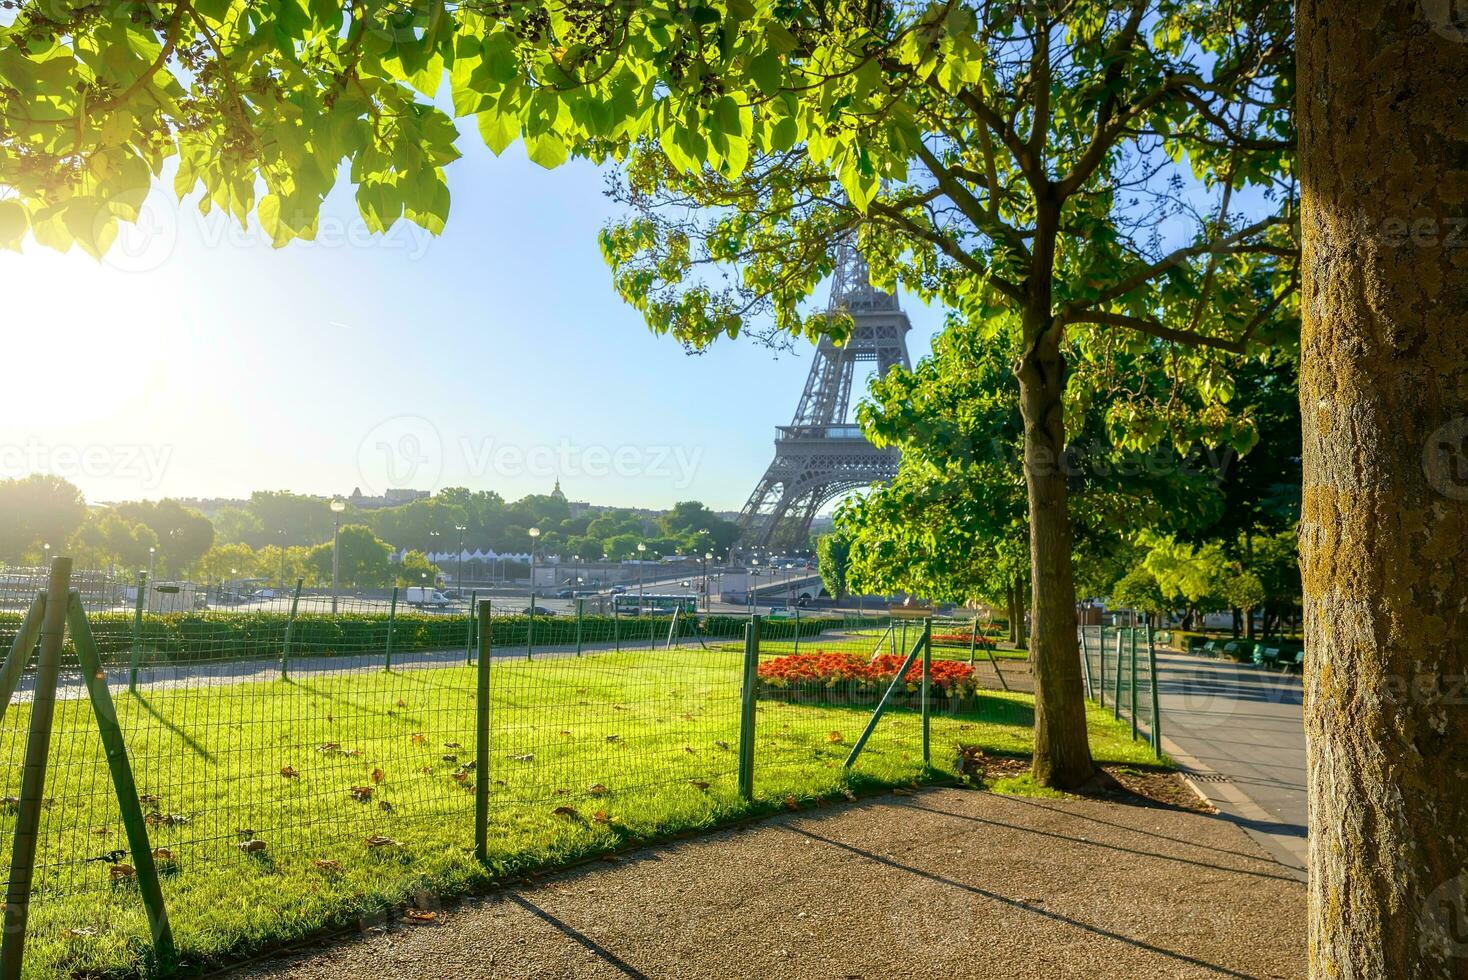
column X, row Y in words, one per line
column 1239, row 731
column 942, row 883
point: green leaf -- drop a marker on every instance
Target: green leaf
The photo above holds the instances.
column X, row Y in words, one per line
column 547, row 149
column 767, row 72
column 13, row 224
column 498, row 129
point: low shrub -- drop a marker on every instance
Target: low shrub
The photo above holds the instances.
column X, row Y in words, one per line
column 844, row 678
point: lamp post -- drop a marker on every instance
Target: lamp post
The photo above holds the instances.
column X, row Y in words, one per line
column 753, row 584
column 338, row 506
column 707, row 557
column 281, row 534
column 459, row 575
column 534, row 533
column 152, row 554
column 641, row 553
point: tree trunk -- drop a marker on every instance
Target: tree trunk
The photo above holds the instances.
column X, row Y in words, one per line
column 1020, row 634
column 1013, row 627
column 1384, row 525
column 1062, row 752
column 1249, row 624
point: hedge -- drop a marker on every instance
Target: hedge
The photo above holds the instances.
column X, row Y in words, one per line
column 199, row 637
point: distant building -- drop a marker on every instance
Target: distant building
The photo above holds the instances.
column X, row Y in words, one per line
column 393, row 497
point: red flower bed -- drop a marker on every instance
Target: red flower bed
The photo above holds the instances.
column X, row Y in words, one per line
column 810, row 672
column 962, row 639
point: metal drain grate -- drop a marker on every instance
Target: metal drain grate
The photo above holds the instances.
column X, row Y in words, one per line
column 1206, row 777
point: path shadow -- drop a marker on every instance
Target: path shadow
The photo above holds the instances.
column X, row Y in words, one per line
column 1018, row 905
column 580, row 938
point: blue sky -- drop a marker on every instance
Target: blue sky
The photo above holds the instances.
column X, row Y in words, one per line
column 198, row 361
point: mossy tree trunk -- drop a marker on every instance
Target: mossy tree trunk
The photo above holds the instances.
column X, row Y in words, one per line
column 1383, row 111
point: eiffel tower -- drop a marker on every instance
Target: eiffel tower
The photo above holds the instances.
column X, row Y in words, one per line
column 822, row 454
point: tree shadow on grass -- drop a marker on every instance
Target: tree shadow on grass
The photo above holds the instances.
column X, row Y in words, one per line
column 194, row 745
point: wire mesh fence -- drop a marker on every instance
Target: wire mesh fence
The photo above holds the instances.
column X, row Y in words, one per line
column 310, row 760
column 1120, row 671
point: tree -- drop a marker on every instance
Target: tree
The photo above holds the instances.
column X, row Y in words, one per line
column 1384, row 530
column 233, row 561
column 1244, row 592
column 363, row 559
column 184, row 534
column 1138, row 590
column 833, row 556
column 108, row 538
column 37, row 510
column 416, row 569
column 1001, row 158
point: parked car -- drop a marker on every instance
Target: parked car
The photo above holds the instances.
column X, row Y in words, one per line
column 618, row 590
column 264, row 593
column 566, row 594
column 425, row 598
column 537, row 610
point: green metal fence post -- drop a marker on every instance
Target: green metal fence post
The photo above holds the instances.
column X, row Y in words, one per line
column 481, row 738
column 1120, row 674
column 530, row 629
column 1133, row 699
column 1086, row 663
column 1101, row 663
column 580, row 611
column 973, row 642
column 469, row 632
column 897, row 681
column 1156, row 709
column 90, row 663
column 746, row 708
column 137, row 651
column 927, row 642
column 672, row 629
column 33, row 775
column 797, row 629
column 392, row 620
column 290, row 625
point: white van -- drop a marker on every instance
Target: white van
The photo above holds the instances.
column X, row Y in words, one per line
column 424, row 597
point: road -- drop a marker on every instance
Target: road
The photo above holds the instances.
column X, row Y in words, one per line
column 1238, row 731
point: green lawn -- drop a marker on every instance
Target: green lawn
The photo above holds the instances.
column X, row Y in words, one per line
column 629, row 746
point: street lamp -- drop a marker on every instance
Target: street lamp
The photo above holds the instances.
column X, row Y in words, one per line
column 708, row 556
column 753, row 584
column 460, row 574
column 152, row 554
column 281, row 534
column 534, row 533
column 641, row 551
column 338, row 506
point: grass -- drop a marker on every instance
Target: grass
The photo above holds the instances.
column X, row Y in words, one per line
column 587, row 755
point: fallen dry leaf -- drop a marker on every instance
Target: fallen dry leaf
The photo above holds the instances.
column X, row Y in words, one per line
column 835, row 738
column 570, row 812
column 419, row 915
column 149, row 798
column 289, row 772
column 402, row 703
column 122, row 872
column 328, row 867
column 849, row 795
column 162, row 854
column 791, row 803
column 527, row 757
column 351, row 753
column 597, row 789
column 418, row 738
column 452, row 745
column 82, row 932
column 699, row 783
column 600, row 817
column 723, row 745
column 327, row 748
column 252, row 846
column 384, row 806
column 361, row 793
column 377, row 840
column 99, row 831
column 378, row 775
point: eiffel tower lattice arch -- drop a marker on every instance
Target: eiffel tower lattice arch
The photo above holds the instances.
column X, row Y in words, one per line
column 822, row 453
